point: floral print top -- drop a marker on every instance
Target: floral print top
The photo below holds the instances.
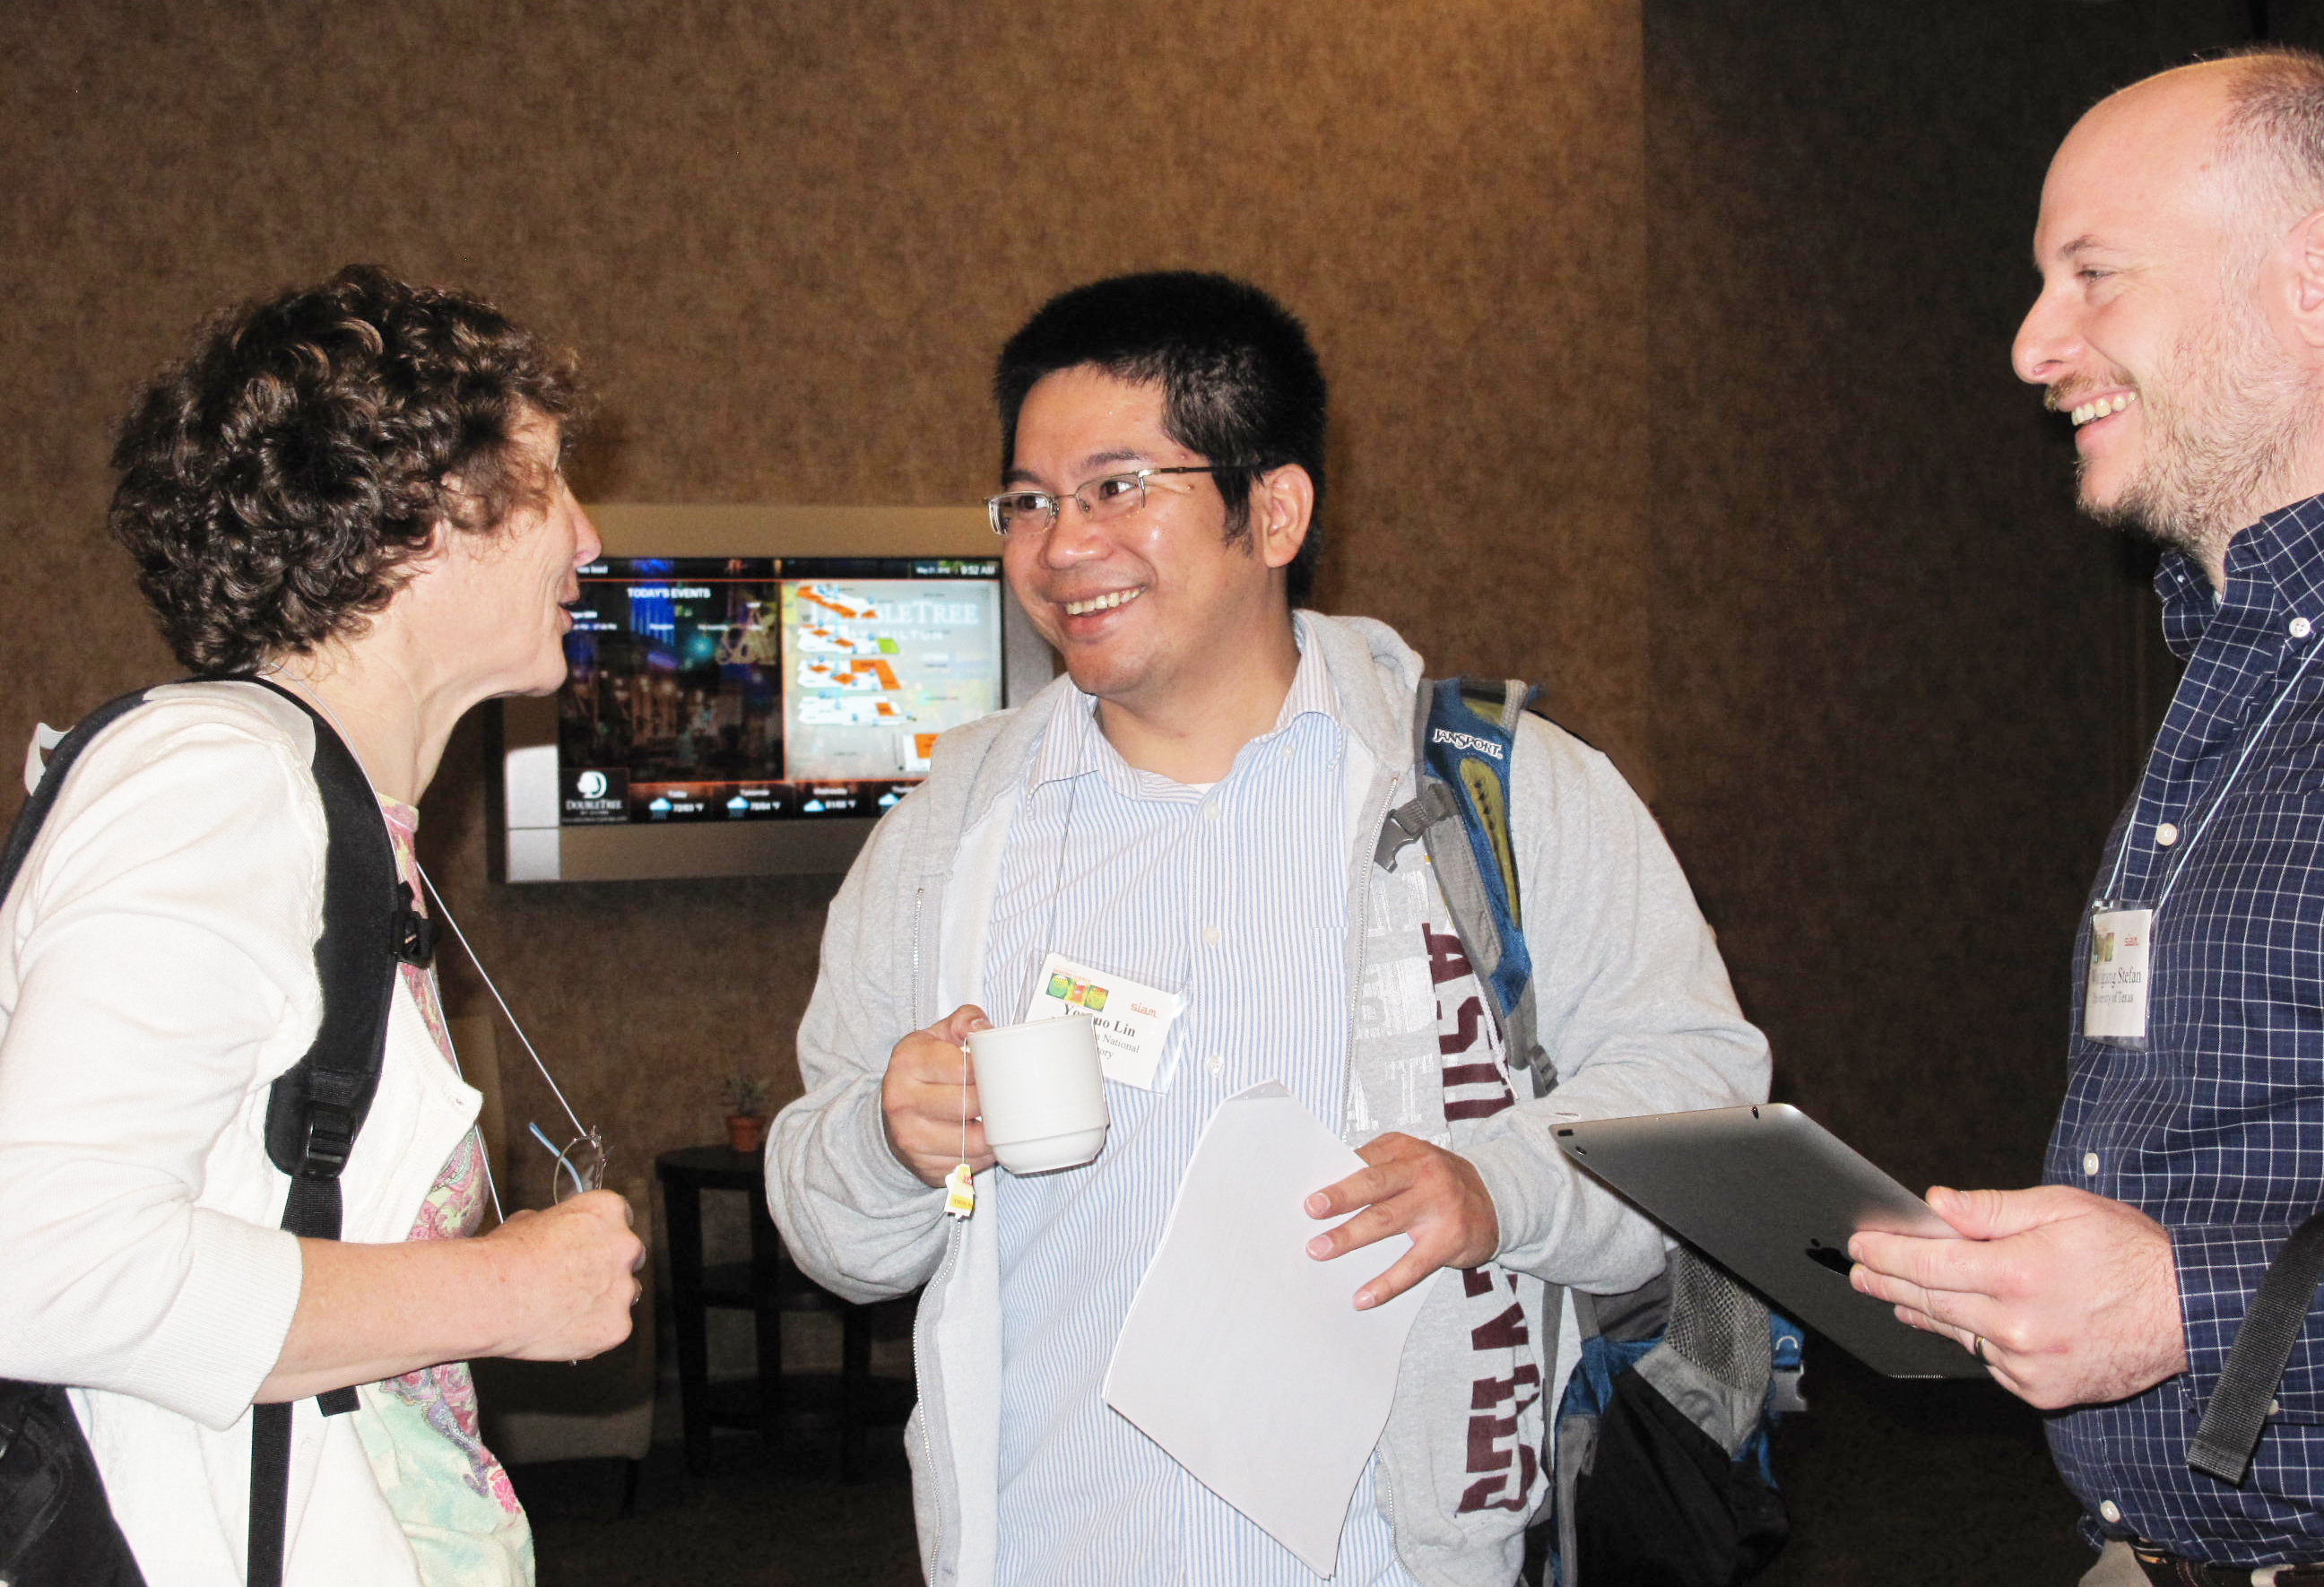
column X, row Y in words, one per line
column 445, row 1487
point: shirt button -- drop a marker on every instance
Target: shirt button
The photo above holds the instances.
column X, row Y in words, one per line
column 2165, row 835
column 1210, row 810
column 1214, row 1063
column 2299, row 629
column 1210, row 935
column 2110, row 1512
column 2090, row 1162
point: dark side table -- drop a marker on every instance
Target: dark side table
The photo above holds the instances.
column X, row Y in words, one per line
column 767, row 1285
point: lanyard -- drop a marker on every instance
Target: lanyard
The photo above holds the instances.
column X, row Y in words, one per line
column 2235, row 772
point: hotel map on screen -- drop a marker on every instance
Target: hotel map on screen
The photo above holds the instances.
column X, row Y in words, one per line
column 768, row 688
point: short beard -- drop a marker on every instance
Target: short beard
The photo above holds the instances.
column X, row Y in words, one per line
column 2226, row 418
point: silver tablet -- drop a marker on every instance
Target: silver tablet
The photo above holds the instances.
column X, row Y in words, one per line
column 1773, row 1196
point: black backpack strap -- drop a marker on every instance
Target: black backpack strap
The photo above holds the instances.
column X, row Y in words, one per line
column 2231, row 1423
column 317, row 1106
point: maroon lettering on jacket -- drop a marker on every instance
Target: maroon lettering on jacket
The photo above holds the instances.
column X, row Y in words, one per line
column 1508, row 1383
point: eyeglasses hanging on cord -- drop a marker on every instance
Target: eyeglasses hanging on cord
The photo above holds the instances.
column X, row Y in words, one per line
column 580, row 1166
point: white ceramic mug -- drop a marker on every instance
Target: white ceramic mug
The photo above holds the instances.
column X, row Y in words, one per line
column 1041, row 1090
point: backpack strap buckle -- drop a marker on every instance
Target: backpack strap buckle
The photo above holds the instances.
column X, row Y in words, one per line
column 1409, row 822
column 416, row 935
column 331, row 1140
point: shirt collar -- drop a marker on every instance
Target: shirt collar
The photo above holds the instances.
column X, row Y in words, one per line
column 1073, row 744
column 1312, row 689
column 2274, row 571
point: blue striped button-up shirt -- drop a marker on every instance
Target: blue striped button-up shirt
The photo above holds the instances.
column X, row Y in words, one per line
column 1237, row 895
column 2217, row 1129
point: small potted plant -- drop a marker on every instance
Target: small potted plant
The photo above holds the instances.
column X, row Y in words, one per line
column 746, row 1114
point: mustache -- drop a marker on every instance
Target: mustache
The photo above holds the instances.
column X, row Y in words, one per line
column 2068, row 395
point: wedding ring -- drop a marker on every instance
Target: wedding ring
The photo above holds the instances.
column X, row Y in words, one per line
column 1977, row 1349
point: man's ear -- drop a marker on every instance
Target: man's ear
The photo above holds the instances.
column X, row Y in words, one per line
column 1282, row 501
column 2302, row 256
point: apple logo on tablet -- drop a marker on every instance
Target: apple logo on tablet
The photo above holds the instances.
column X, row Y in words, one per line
column 1826, row 1256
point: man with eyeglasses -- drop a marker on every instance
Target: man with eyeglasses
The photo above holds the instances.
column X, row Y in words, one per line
column 1193, row 809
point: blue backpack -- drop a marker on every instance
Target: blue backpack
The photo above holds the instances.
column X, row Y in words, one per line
column 1660, row 1450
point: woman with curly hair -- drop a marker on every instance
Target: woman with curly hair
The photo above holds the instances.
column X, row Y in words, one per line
column 354, row 491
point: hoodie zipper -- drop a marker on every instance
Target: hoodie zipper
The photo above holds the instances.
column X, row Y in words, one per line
column 1383, row 1490
column 919, row 897
column 928, row 1443
column 1375, row 812
column 952, row 1251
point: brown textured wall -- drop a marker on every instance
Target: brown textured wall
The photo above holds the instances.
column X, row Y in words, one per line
column 1670, row 368
column 786, row 240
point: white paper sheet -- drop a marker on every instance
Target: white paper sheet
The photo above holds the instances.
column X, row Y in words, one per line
column 1242, row 1356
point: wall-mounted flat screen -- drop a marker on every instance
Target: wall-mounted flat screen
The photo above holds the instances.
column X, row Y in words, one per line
column 769, row 688
column 752, row 712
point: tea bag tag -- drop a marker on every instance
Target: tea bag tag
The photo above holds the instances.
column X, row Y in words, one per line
column 960, row 1193
column 960, row 1186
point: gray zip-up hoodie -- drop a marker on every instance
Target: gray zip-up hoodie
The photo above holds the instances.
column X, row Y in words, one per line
column 1635, row 1012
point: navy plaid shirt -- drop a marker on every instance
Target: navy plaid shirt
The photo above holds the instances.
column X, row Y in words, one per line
column 2216, row 1129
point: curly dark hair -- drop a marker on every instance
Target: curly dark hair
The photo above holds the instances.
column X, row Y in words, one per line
column 274, row 484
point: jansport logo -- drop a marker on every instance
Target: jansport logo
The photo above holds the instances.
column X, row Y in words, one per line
column 1462, row 740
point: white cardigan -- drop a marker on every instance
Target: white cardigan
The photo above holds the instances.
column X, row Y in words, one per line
column 156, row 975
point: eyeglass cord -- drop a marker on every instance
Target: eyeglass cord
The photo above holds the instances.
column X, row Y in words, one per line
column 306, row 691
column 555, row 1090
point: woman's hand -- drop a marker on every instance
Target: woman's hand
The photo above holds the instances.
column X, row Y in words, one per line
column 556, row 1285
column 569, row 1277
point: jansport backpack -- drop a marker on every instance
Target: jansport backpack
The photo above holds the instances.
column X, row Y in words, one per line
column 1660, row 1447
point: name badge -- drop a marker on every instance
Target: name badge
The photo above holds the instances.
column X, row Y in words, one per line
column 2114, row 992
column 1133, row 1021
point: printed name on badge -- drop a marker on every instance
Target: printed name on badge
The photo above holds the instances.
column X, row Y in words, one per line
column 1133, row 1020
column 2113, row 996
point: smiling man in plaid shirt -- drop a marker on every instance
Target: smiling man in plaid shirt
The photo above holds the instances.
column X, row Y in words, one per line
column 2180, row 324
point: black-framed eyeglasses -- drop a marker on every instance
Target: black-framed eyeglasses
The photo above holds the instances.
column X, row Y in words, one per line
column 1107, row 497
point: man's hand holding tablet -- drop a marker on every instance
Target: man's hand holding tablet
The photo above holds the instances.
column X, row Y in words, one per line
column 2068, row 1298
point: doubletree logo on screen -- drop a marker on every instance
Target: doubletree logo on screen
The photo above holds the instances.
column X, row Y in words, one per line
column 598, row 795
